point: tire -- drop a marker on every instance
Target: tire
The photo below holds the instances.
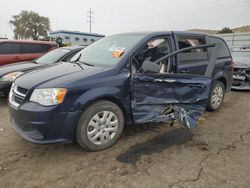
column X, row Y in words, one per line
column 216, row 96
column 100, row 126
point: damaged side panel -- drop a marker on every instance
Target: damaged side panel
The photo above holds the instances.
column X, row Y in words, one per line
column 168, row 97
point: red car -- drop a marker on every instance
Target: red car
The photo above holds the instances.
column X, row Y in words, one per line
column 12, row 51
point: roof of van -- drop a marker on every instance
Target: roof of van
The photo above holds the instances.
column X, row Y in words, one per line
column 29, row 42
column 161, row 33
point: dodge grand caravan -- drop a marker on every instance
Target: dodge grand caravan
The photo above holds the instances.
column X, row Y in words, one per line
column 121, row 79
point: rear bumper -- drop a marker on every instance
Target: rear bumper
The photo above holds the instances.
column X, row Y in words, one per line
column 43, row 125
column 5, row 88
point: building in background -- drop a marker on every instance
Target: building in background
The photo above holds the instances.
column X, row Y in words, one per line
column 3, row 36
column 75, row 37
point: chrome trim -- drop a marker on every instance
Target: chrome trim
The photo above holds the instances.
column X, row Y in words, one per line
column 18, row 93
column 11, row 99
column 14, row 93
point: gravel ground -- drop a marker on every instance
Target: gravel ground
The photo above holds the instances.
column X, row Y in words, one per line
column 215, row 154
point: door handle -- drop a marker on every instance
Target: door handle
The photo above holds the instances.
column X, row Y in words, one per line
column 184, row 71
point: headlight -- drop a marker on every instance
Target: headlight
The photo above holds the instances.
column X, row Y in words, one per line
column 11, row 76
column 49, row 96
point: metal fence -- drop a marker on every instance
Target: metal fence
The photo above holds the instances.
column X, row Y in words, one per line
column 236, row 39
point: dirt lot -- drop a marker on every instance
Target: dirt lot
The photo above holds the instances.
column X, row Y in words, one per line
column 215, row 154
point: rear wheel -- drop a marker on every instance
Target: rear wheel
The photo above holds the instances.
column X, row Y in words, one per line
column 100, row 125
column 216, row 96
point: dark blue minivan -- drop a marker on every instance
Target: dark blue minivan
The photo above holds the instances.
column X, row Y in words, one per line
column 121, row 79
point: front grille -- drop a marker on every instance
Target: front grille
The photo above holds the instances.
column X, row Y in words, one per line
column 18, row 99
column 17, row 95
column 242, row 71
column 22, row 90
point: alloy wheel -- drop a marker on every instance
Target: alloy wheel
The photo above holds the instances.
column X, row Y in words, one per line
column 217, row 96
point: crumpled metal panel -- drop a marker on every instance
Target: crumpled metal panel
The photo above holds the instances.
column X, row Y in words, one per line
column 241, row 78
column 166, row 99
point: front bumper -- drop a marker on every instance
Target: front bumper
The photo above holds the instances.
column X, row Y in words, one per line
column 43, row 125
column 5, row 88
column 241, row 79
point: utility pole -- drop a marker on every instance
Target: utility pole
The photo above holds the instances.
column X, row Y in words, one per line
column 90, row 19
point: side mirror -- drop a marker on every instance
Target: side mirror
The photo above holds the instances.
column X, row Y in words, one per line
column 150, row 67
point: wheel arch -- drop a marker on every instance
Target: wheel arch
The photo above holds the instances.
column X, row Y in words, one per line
column 220, row 76
column 113, row 94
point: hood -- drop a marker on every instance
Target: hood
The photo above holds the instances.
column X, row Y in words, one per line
column 56, row 75
column 16, row 67
column 242, row 62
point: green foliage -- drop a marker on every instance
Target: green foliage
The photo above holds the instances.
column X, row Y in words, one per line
column 29, row 24
column 225, row 30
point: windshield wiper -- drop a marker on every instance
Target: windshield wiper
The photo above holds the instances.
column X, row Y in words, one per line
column 78, row 60
column 86, row 63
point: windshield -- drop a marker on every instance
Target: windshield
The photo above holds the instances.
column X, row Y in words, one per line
column 52, row 56
column 109, row 50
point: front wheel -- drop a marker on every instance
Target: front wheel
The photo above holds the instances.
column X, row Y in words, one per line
column 100, row 125
column 216, row 96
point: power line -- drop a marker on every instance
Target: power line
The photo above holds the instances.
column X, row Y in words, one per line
column 171, row 7
column 167, row 6
column 90, row 19
column 200, row 10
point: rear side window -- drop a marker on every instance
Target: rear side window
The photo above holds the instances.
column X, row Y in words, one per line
column 191, row 56
column 34, row 48
column 9, row 48
column 185, row 42
column 224, row 51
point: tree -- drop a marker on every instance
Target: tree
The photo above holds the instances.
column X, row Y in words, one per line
column 225, row 30
column 29, row 24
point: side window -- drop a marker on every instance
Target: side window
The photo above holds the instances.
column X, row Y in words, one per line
column 191, row 56
column 85, row 40
column 224, row 51
column 34, row 48
column 185, row 42
column 149, row 54
column 9, row 48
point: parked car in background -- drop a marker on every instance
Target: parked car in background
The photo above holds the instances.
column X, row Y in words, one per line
column 241, row 76
column 9, row 73
column 12, row 51
column 125, row 78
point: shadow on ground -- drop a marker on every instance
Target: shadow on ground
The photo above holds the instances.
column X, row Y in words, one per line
column 3, row 101
column 178, row 136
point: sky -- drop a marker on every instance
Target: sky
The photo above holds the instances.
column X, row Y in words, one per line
column 117, row 16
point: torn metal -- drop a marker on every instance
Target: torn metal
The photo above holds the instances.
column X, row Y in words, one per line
column 169, row 99
column 241, row 78
column 241, row 75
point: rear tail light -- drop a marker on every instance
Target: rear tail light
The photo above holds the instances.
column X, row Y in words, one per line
column 231, row 66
